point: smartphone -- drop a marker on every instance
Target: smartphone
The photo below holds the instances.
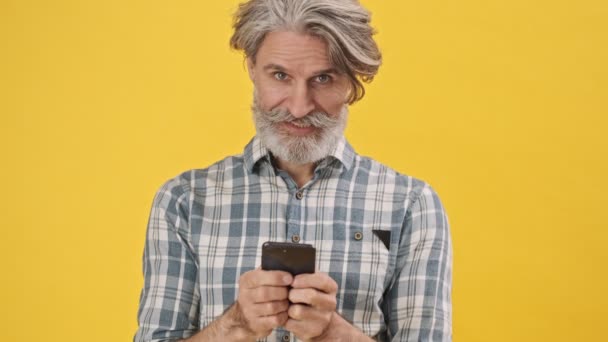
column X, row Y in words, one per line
column 295, row 258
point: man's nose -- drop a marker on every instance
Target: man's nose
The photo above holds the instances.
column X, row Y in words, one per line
column 300, row 101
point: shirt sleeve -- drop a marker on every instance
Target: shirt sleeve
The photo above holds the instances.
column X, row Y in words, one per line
column 169, row 303
column 419, row 301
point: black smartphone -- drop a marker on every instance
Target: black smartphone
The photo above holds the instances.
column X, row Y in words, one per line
column 295, row 258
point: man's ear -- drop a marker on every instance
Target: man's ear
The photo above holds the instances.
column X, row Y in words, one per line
column 250, row 69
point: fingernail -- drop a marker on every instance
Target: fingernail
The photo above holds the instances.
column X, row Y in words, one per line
column 287, row 280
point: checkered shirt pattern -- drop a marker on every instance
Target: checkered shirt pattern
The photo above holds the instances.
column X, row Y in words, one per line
column 207, row 227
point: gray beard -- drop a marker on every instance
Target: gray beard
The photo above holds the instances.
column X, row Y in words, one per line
column 296, row 149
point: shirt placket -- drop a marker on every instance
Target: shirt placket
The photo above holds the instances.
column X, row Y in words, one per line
column 294, row 209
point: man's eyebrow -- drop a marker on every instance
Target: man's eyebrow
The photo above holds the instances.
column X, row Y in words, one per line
column 327, row 71
column 273, row 66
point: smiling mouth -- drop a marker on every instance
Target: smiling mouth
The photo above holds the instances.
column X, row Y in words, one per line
column 298, row 130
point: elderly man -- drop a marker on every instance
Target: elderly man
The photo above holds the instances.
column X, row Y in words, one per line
column 382, row 240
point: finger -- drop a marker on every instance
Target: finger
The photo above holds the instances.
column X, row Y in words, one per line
column 320, row 281
column 270, row 322
column 256, row 278
column 302, row 296
column 304, row 330
column 307, row 313
column 270, row 308
column 314, row 298
column 268, row 293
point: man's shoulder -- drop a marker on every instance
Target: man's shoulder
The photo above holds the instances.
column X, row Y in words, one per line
column 197, row 179
column 401, row 186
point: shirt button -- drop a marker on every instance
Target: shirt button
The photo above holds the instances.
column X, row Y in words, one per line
column 286, row 338
column 358, row 236
column 299, row 195
column 295, row 238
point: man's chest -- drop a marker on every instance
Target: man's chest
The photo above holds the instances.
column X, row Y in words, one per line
column 230, row 224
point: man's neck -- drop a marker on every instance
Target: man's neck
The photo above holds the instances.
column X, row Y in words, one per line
column 300, row 173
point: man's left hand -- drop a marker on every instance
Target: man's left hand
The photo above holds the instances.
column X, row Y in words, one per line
column 314, row 304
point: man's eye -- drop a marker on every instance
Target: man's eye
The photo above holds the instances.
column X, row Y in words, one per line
column 323, row 79
column 279, row 75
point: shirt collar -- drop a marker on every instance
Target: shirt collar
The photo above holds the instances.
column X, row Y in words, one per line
column 255, row 151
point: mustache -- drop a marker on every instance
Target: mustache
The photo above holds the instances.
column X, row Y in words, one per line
column 316, row 119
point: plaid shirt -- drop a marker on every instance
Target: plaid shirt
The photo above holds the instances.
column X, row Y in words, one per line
column 382, row 236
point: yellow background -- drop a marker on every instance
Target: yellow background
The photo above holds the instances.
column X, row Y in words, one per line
column 500, row 105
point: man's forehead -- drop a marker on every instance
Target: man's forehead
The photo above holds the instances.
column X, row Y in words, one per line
column 288, row 49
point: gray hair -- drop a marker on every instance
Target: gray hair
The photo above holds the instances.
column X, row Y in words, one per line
column 343, row 24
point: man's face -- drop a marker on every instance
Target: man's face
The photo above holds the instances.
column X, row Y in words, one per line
column 300, row 99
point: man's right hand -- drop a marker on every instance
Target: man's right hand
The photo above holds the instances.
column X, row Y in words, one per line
column 262, row 302
column 260, row 307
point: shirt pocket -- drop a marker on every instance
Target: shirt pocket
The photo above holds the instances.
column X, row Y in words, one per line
column 359, row 264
